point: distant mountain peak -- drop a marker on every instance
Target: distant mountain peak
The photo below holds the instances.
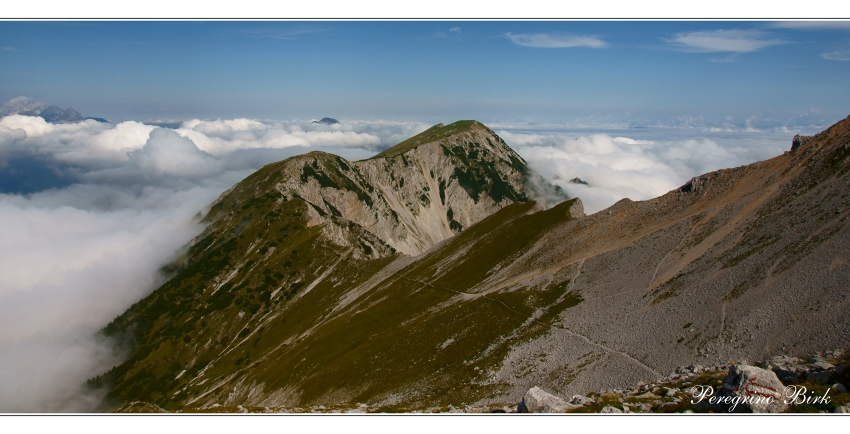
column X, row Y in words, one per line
column 326, row 121
column 50, row 113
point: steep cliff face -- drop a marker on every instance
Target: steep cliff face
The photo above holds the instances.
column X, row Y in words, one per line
column 411, row 196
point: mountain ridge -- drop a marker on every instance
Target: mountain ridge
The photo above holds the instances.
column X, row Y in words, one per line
column 50, row 113
column 268, row 311
column 412, row 197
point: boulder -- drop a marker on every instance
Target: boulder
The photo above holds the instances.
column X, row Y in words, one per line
column 757, row 390
column 537, row 400
column 823, row 366
column 609, row 409
column 786, row 375
column 822, row 377
column 645, row 408
column 580, row 400
column 452, row 409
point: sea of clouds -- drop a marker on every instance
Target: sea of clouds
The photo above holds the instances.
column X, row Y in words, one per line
column 123, row 198
column 638, row 164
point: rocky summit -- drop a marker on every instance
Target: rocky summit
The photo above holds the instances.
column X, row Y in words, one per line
column 435, row 277
column 410, row 197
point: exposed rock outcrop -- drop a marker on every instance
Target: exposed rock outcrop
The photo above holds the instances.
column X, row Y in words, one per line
column 537, row 400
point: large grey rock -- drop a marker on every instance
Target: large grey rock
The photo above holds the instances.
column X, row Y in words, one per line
column 756, row 389
column 537, row 400
column 609, row 409
column 843, row 409
column 822, row 365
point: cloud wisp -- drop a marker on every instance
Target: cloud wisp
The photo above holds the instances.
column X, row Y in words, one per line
column 813, row 25
column 723, row 41
column 553, row 40
column 840, row 55
column 285, row 34
column 20, row 104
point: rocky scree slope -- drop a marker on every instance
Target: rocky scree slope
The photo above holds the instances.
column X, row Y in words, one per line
column 794, row 385
column 738, row 264
column 266, row 311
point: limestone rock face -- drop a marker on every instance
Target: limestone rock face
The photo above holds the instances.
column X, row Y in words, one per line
column 760, row 389
column 414, row 195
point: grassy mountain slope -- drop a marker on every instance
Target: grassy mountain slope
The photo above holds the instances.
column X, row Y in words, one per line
column 267, row 310
column 433, row 134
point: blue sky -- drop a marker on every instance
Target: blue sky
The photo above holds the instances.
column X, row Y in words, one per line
column 587, row 72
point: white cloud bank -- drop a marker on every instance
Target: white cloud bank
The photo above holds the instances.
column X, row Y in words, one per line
column 75, row 256
column 617, row 167
column 66, row 272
